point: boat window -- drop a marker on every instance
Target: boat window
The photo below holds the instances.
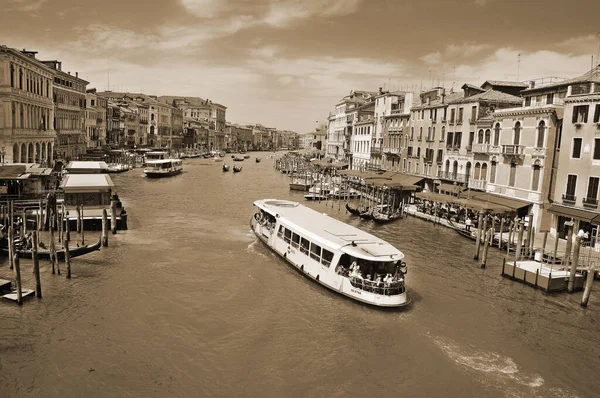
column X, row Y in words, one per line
column 280, row 232
column 304, row 245
column 327, row 257
column 295, row 240
column 287, row 235
column 315, row 252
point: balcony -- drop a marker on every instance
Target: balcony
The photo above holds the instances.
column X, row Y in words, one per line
column 514, row 150
column 481, row 148
column 538, row 153
column 428, row 159
column 569, row 199
column 472, row 121
column 452, row 149
column 477, row 184
column 451, row 122
column 439, row 160
column 469, row 148
column 459, row 121
column 430, row 139
column 590, row 203
column 448, row 175
column 392, row 150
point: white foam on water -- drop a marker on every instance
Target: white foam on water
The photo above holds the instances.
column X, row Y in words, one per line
column 491, row 363
column 252, row 249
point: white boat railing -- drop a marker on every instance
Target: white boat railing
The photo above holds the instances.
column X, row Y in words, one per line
column 383, row 288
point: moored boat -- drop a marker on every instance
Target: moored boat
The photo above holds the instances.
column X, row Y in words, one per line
column 237, row 169
column 384, row 216
column 225, row 167
column 340, row 257
column 238, row 159
column 257, row 160
column 246, row 156
column 44, row 254
column 163, row 168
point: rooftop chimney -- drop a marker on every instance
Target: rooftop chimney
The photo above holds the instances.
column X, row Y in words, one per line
column 380, row 90
column 76, row 74
column 532, row 84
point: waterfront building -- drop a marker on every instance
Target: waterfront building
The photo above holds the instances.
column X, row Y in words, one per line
column 577, row 171
column 91, row 120
column 395, row 132
column 361, row 141
column 69, row 115
column 522, row 151
column 470, row 144
column 339, row 136
column 385, row 103
column 26, row 108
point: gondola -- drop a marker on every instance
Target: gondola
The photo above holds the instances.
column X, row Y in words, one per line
column 352, row 210
column 257, row 160
column 225, row 167
column 238, row 159
column 366, row 214
column 465, row 233
column 382, row 218
column 60, row 253
column 237, row 169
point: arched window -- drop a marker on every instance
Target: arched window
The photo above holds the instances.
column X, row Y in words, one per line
column 484, row 168
column 535, row 179
column 443, row 137
column 477, row 171
column 447, row 166
column 38, row 152
column 433, row 134
column 497, row 134
column 30, row 153
column 12, row 75
column 412, row 134
column 517, row 136
column 493, row 172
column 487, row 136
column 480, row 137
column 429, row 132
column 512, row 175
column 541, row 132
column 15, row 153
column 23, row 153
column 420, row 132
column 20, row 79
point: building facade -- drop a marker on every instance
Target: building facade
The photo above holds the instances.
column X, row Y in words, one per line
column 69, row 115
column 26, row 108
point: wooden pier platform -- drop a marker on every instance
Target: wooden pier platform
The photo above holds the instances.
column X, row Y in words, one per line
column 548, row 277
column 12, row 296
column 5, row 285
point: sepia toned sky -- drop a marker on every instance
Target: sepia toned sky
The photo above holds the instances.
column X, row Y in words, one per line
column 285, row 63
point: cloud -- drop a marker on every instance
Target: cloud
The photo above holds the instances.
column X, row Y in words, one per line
column 432, row 58
column 25, row 5
column 587, row 44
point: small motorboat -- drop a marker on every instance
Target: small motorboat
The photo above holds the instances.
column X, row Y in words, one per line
column 218, row 159
column 225, row 167
column 238, row 159
column 257, row 160
column 237, row 169
column 246, row 156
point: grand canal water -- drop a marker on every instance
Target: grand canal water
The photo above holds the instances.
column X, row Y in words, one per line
column 188, row 303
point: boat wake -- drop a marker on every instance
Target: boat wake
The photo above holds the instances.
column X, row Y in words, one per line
column 253, row 250
column 491, row 363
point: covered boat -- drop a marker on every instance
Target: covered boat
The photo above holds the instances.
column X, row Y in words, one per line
column 163, row 168
column 343, row 258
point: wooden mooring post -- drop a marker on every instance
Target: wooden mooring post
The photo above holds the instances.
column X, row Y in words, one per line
column 567, row 256
column 574, row 262
column 104, row 228
column 11, row 247
column 478, row 240
column 519, row 240
column 78, row 208
column 36, row 265
column 588, row 287
column 82, row 227
column 67, row 259
column 488, row 237
column 501, row 233
column 113, row 216
column 18, row 279
column 67, row 227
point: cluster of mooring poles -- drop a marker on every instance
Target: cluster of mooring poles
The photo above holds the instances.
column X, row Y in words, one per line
column 54, row 219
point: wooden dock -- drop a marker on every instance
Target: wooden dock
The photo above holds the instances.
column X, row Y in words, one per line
column 548, row 277
column 12, row 296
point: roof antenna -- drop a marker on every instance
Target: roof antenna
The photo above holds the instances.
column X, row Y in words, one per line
column 518, row 65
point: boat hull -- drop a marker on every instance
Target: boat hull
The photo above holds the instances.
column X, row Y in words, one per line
column 60, row 254
column 345, row 289
column 153, row 174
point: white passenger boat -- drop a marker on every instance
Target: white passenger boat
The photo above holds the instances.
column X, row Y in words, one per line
column 163, row 168
column 341, row 257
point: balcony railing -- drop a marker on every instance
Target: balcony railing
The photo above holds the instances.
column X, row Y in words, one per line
column 590, row 202
column 392, row 150
column 449, row 175
column 478, row 184
column 481, row 148
column 513, row 149
column 569, row 199
column 430, row 139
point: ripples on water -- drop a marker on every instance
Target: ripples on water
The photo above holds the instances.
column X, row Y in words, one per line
column 189, row 303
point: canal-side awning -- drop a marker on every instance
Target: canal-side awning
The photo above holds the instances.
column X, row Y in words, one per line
column 450, row 188
column 434, row 197
column 487, row 197
column 572, row 212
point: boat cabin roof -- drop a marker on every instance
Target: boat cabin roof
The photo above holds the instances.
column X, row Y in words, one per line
column 81, row 165
column 161, row 161
column 156, row 153
column 325, row 230
column 86, row 183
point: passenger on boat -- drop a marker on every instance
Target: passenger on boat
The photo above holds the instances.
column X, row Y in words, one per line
column 468, row 224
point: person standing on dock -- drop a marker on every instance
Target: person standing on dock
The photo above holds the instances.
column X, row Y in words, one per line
column 468, row 224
